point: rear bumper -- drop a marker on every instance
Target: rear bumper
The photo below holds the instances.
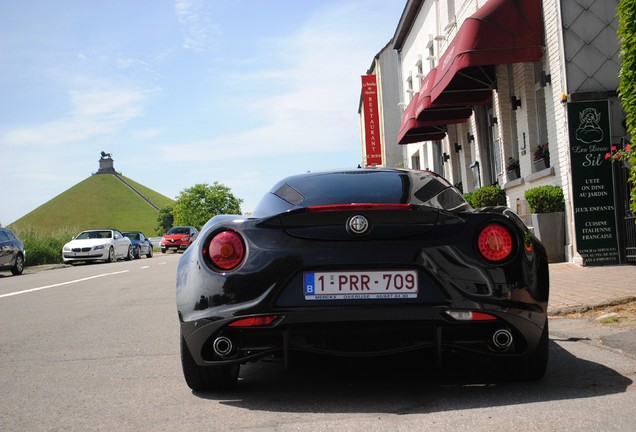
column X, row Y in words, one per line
column 364, row 332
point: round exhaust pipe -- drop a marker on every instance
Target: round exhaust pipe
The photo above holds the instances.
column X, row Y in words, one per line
column 502, row 339
column 222, row 346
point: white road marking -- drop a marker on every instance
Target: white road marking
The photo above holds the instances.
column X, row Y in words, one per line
column 60, row 284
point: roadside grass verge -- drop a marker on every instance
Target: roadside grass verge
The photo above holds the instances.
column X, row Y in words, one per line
column 44, row 248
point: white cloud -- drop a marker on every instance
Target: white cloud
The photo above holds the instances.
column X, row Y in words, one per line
column 93, row 113
column 200, row 33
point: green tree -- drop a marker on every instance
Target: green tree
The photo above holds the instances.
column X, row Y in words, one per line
column 195, row 205
column 627, row 75
column 165, row 220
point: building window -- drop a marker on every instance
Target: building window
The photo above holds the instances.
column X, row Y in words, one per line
column 415, row 162
column 438, row 158
column 409, row 87
column 540, row 148
column 420, row 71
column 450, row 6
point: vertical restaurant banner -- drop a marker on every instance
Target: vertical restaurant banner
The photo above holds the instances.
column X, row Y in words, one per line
column 372, row 140
column 592, row 182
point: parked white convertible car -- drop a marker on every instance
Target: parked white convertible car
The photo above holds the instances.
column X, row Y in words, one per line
column 98, row 245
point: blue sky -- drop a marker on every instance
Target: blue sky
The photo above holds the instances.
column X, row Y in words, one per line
column 243, row 92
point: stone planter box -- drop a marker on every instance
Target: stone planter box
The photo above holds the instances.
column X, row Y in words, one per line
column 513, row 174
column 539, row 165
column 550, row 229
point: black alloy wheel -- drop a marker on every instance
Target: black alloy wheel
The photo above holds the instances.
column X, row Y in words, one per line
column 18, row 267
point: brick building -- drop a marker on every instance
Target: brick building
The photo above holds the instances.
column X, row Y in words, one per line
column 490, row 91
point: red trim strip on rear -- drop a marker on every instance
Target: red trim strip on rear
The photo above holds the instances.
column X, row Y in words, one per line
column 259, row 321
column 358, row 207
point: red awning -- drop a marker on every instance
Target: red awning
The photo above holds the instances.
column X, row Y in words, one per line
column 500, row 32
column 413, row 130
column 425, row 111
column 415, row 137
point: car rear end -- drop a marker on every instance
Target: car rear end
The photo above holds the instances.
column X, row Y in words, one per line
column 363, row 280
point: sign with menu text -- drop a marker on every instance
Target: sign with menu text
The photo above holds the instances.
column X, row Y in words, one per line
column 592, row 182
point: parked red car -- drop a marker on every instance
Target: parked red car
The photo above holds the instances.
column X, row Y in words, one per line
column 179, row 237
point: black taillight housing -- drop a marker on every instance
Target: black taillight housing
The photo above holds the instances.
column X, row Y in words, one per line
column 224, row 250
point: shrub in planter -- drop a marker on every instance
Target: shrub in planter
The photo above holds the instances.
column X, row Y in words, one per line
column 546, row 205
column 545, row 199
column 470, row 197
column 487, row 196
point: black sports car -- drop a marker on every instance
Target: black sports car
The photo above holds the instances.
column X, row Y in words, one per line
column 365, row 262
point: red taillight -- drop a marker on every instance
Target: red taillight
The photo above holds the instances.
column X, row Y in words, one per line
column 495, row 242
column 254, row 321
column 357, row 207
column 226, row 250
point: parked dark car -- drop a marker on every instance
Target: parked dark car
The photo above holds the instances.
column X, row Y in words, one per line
column 178, row 238
column 12, row 253
column 365, row 262
column 141, row 245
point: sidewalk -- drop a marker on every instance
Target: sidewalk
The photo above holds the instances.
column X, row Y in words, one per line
column 574, row 288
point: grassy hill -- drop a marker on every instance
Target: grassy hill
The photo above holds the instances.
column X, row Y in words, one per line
column 99, row 201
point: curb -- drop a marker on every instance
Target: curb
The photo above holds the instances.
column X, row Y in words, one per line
column 589, row 307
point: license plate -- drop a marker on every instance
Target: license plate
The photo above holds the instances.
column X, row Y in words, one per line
column 391, row 284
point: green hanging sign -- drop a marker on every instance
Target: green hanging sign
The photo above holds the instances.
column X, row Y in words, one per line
column 592, row 182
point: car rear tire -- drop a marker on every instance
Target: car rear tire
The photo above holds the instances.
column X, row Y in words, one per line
column 149, row 254
column 18, row 267
column 533, row 367
column 111, row 255
column 202, row 378
column 129, row 255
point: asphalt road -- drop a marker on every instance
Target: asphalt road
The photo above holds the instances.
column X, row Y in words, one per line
column 96, row 347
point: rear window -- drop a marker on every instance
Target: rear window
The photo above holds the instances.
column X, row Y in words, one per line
column 361, row 186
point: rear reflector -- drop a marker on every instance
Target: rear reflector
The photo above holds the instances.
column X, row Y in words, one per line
column 358, row 207
column 494, row 242
column 260, row 321
column 470, row 315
